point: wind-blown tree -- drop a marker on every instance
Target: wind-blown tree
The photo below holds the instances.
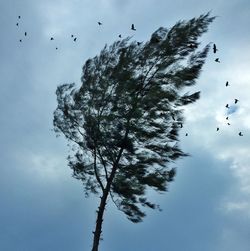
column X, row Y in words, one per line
column 125, row 118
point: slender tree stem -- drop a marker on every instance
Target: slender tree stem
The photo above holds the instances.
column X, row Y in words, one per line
column 99, row 220
column 100, row 212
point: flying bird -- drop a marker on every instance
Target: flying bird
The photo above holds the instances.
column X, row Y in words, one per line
column 72, row 35
column 74, row 39
column 99, row 23
column 217, row 129
column 217, row 60
column 120, row 36
column 227, row 106
column 17, row 24
column 227, row 84
column 240, row 134
column 228, row 123
column 226, row 118
column 133, row 27
column 51, row 38
column 25, row 33
column 236, row 100
column 186, row 134
column 215, row 48
column 56, row 48
column 20, row 40
column 138, row 43
column 19, row 17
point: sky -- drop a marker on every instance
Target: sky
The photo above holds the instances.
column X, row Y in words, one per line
column 206, row 208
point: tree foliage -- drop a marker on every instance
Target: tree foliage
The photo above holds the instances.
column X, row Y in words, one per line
column 125, row 118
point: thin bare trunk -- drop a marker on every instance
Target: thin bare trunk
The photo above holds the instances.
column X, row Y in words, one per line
column 99, row 220
column 100, row 211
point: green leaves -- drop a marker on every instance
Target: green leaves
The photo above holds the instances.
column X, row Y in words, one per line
column 125, row 117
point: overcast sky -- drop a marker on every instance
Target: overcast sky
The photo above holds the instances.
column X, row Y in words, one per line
column 42, row 208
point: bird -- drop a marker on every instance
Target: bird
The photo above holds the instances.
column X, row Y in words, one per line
column 17, row 24
column 133, row 27
column 240, row 134
column 72, row 35
column 186, row 134
column 227, row 84
column 19, row 17
column 51, row 38
column 20, row 40
column 74, row 39
column 181, row 125
column 236, row 100
column 56, row 48
column 214, row 48
column 226, row 118
column 25, row 33
column 227, row 106
column 138, row 43
column 217, row 60
column 120, row 36
column 217, row 129
column 228, row 123
column 99, row 23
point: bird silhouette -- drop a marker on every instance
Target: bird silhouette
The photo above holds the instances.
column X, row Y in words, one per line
column 217, row 129
column 99, row 23
column 181, row 125
column 133, row 27
column 227, row 84
column 240, row 134
column 138, row 43
column 186, row 134
column 17, row 24
column 217, row 60
column 120, row 36
column 25, row 33
column 56, row 48
column 51, row 38
column 72, row 35
column 74, row 39
column 20, row 40
column 215, row 48
column 236, row 100
column 226, row 118
column 228, row 123
column 227, row 106
column 19, row 17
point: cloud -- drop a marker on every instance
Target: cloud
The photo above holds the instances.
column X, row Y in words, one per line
column 203, row 117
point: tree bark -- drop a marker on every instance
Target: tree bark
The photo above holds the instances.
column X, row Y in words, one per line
column 100, row 212
column 99, row 220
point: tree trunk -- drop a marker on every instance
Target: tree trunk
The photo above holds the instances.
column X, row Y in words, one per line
column 99, row 220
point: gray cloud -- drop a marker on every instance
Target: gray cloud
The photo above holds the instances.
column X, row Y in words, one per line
column 43, row 208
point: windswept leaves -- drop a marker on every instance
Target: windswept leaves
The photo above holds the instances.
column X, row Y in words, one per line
column 126, row 114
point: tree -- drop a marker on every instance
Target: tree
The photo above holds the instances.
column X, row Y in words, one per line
column 125, row 118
